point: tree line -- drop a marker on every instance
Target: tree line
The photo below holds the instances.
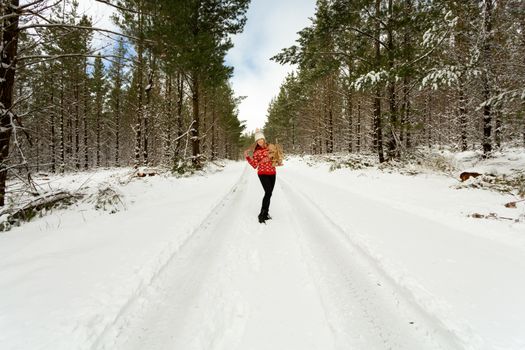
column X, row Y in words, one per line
column 157, row 94
column 391, row 75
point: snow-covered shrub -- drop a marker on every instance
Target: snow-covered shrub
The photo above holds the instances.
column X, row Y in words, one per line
column 108, row 199
column 506, row 183
column 419, row 162
column 182, row 167
column 397, row 166
column 352, row 161
column 438, row 163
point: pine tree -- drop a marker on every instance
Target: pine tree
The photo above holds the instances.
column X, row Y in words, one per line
column 433, row 73
column 197, row 39
column 9, row 42
column 99, row 89
column 117, row 79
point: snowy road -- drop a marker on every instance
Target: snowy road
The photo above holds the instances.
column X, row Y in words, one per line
column 294, row 283
column 351, row 260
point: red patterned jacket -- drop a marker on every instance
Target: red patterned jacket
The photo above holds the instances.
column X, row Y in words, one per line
column 262, row 160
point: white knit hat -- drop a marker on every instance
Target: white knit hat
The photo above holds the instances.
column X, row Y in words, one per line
column 259, row 134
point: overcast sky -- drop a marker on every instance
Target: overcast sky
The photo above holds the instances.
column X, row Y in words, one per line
column 272, row 25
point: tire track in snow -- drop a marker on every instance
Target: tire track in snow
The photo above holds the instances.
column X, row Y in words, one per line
column 137, row 303
column 237, row 285
column 459, row 331
column 294, row 283
column 355, row 289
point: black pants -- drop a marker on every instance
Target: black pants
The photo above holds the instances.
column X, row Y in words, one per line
column 268, row 182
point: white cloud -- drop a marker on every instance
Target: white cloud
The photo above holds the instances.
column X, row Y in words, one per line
column 271, row 26
column 101, row 16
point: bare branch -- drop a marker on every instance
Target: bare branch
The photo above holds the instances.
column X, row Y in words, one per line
column 23, row 7
column 107, row 2
column 45, row 58
column 72, row 26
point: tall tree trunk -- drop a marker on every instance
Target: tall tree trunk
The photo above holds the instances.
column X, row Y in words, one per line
column 393, row 149
column 117, row 126
column 408, row 116
column 85, row 118
column 62, row 131
column 330, row 141
column 358, row 131
column 196, row 117
column 463, row 122
column 486, row 76
column 117, row 95
column 405, row 114
column 331, row 127
column 294, row 141
column 147, row 116
column 77, row 124
column 169, row 115
column 523, row 123
column 523, row 127
column 405, row 122
column 318, row 135
column 53, row 132
column 499, row 127
column 69, row 120
column 349, row 115
column 428, row 121
column 98, row 126
column 180, row 102
column 38, row 145
column 140, row 87
column 325, row 117
column 330, row 91
column 378, row 131
column 204, row 117
column 213, row 142
column 523, row 62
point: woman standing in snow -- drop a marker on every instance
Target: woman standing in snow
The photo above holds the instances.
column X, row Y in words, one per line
column 266, row 171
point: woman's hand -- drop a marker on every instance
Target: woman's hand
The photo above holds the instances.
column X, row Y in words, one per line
column 245, row 153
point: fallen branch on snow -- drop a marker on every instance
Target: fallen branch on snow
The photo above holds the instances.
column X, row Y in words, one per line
column 32, row 208
column 490, row 216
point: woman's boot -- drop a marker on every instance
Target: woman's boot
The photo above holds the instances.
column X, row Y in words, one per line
column 262, row 216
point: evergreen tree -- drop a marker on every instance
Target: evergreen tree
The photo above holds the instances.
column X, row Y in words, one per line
column 196, row 35
column 117, row 80
column 99, row 89
column 416, row 73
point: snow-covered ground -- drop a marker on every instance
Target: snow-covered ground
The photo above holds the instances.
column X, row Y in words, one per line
column 66, row 278
column 352, row 259
column 466, row 273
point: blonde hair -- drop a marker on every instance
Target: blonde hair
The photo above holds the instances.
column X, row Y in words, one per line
column 276, row 154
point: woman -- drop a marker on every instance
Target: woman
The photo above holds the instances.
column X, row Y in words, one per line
column 266, row 171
